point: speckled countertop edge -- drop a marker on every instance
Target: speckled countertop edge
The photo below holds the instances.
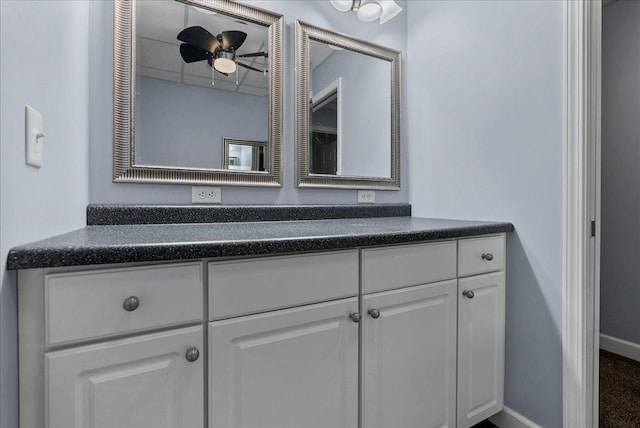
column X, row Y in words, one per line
column 95, row 245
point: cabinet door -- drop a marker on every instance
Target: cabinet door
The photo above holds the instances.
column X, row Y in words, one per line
column 295, row 368
column 409, row 357
column 480, row 348
column 143, row 382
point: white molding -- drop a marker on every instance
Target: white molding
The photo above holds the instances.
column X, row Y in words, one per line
column 509, row 418
column 581, row 205
column 620, row 347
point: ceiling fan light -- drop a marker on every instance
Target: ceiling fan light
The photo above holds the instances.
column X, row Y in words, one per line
column 342, row 5
column 369, row 11
column 389, row 10
column 225, row 65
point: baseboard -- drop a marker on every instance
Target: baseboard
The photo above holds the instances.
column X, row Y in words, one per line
column 620, row 347
column 509, row 418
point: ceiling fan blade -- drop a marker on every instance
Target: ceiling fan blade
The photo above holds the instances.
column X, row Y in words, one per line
column 193, row 54
column 200, row 38
column 253, row 54
column 232, row 40
column 250, row 68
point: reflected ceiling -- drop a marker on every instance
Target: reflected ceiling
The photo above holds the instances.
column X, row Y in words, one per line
column 158, row 49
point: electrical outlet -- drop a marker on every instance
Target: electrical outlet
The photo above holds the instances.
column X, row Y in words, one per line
column 206, row 195
column 366, row 196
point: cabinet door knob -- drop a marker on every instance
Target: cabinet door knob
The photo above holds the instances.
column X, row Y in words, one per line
column 468, row 294
column 355, row 317
column 192, row 354
column 130, row 304
column 374, row 313
column 487, row 256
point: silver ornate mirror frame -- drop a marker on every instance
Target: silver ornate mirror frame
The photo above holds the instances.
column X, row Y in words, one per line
column 124, row 167
column 304, row 33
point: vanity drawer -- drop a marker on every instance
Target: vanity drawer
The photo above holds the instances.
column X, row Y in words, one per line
column 480, row 255
column 259, row 285
column 407, row 265
column 88, row 305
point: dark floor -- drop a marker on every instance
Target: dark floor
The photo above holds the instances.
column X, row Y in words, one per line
column 619, row 391
column 485, row 424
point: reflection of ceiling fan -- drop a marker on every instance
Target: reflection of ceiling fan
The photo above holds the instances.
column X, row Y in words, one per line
column 220, row 51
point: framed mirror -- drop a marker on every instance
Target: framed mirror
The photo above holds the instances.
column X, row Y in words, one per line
column 243, row 155
column 198, row 93
column 348, row 111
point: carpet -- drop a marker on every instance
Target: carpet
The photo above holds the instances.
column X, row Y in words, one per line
column 619, row 391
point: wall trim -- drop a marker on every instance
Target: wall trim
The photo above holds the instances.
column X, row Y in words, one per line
column 581, row 178
column 509, row 418
column 620, row 347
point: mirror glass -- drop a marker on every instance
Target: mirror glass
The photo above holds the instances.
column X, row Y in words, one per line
column 196, row 81
column 350, row 117
column 200, row 78
column 241, row 155
column 347, row 111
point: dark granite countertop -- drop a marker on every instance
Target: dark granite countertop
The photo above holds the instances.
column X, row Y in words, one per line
column 155, row 242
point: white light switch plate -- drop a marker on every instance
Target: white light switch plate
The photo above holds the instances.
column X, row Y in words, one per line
column 206, row 195
column 366, row 196
column 34, row 137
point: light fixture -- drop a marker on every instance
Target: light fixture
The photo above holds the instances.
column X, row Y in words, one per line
column 369, row 10
column 389, row 10
column 225, row 62
column 342, row 5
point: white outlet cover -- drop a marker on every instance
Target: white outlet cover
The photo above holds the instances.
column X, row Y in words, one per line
column 366, row 196
column 34, row 137
column 206, row 195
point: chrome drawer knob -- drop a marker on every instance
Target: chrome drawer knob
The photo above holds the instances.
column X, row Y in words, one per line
column 130, row 304
column 192, row 354
column 468, row 294
column 374, row 313
column 487, row 256
column 355, row 317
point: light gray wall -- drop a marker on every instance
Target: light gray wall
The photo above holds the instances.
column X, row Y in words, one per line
column 184, row 125
column 392, row 34
column 485, row 120
column 620, row 258
column 366, row 110
column 45, row 50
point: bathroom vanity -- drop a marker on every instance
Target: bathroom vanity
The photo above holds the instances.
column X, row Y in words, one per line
column 370, row 322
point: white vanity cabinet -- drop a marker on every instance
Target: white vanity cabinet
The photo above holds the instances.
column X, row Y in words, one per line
column 294, row 368
column 287, row 368
column 114, row 347
column 392, row 336
column 151, row 381
column 481, row 326
column 409, row 335
column 409, row 357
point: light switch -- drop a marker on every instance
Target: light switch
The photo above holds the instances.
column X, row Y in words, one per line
column 34, row 137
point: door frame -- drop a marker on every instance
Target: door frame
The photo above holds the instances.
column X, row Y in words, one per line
column 581, row 200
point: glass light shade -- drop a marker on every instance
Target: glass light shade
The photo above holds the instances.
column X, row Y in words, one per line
column 225, row 65
column 342, row 5
column 369, row 11
column 389, row 9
